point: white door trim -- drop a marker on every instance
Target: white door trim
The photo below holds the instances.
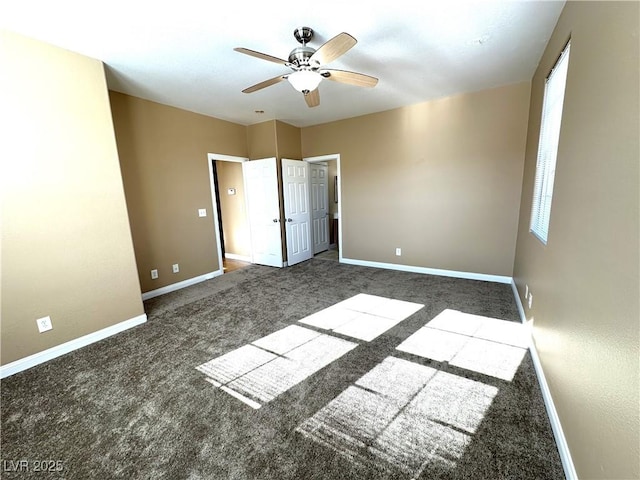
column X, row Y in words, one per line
column 216, row 221
column 324, row 158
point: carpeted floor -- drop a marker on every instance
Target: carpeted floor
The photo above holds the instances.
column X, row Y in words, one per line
column 134, row 405
column 331, row 254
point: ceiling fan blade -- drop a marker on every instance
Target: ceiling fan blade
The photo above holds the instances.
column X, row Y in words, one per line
column 333, row 48
column 312, row 98
column 262, row 56
column 266, row 83
column 352, row 78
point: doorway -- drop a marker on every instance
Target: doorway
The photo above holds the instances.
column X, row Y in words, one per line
column 334, row 207
column 231, row 228
column 221, row 191
column 319, row 191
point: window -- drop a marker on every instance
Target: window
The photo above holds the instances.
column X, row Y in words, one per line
column 548, row 146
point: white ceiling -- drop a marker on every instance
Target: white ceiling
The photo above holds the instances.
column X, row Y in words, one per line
column 181, row 53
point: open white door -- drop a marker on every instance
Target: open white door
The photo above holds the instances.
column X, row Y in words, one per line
column 263, row 211
column 319, row 207
column 295, row 183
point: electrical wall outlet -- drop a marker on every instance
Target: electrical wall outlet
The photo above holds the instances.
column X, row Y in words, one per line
column 202, row 212
column 154, row 274
column 530, row 299
column 398, row 252
column 44, row 324
column 176, row 268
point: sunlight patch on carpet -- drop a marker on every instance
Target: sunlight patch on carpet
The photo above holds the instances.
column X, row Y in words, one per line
column 404, row 416
column 363, row 316
column 482, row 344
column 234, row 364
column 285, row 340
column 258, row 373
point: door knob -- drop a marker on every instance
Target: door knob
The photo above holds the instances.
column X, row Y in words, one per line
column 275, row 220
column 289, row 220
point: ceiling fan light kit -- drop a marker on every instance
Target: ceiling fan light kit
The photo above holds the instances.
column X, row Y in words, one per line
column 307, row 65
column 305, row 80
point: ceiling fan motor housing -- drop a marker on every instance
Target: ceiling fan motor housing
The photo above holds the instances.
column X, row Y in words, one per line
column 300, row 56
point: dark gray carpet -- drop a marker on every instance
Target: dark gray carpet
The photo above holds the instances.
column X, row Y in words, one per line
column 134, row 406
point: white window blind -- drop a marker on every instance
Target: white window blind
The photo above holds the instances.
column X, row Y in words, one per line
column 548, row 146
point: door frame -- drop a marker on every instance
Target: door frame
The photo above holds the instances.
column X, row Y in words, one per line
column 212, row 157
column 325, row 158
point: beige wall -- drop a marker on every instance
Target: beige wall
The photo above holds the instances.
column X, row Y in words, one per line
column 273, row 138
column 233, row 209
column 288, row 141
column 439, row 179
column 585, row 280
column 163, row 153
column 66, row 243
column 261, row 140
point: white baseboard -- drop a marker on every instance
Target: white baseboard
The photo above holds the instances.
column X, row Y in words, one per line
column 561, row 441
column 556, row 426
column 233, row 256
column 428, row 271
column 62, row 349
column 177, row 286
column 516, row 295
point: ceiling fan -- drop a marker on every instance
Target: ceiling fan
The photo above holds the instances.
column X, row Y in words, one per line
column 308, row 66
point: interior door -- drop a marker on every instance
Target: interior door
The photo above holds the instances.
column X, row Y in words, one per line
column 319, row 206
column 263, row 211
column 295, row 185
